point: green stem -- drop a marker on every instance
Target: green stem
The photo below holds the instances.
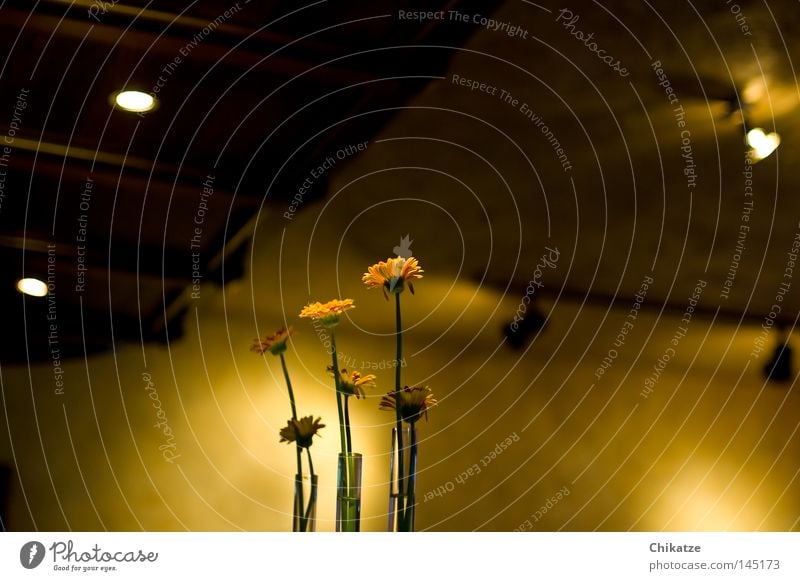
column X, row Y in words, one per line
column 351, row 468
column 398, row 417
column 412, row 481
column 312, row 498
column 294, row 412
column 298, row 449
column 347, row 424
column 289, row 386
column 338, row 394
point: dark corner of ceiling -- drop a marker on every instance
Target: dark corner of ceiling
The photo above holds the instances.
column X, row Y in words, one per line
column 123, row 215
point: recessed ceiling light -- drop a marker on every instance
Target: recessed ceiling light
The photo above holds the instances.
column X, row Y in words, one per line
column 762, row 144
column 135, row 101
column 32, row 286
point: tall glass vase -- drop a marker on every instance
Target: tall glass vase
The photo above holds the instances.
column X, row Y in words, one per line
column 402, row 480
column 348, row 493
column 304, row 515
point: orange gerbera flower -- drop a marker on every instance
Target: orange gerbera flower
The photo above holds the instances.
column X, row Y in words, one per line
column 393, row 275
column 414, row 402
column 301, row 431
column 275, row 343
column 353, row 383
column 327, row 313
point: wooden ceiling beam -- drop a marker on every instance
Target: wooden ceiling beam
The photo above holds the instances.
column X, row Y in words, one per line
column 70, row 170
column 167, row 46
column 171, row 267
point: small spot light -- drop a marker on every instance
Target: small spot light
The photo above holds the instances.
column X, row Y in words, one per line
column 762, row 144
column 754, row 91
column 134, row 101
column 779, row 366
column 32, row 286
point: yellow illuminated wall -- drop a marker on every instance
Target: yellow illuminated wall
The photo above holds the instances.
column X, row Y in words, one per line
column 712, row 448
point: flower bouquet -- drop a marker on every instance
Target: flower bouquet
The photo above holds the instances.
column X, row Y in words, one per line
column 409, row 404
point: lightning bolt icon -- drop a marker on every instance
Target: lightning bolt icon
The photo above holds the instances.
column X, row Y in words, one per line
column 34, row 550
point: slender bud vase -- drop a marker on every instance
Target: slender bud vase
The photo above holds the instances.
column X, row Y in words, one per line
column 348, row 493
column 402, row 480
column 304, row 518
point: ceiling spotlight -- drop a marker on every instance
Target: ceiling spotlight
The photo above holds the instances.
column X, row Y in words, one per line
column 754, row 90
column 134, row 101
column 32, row 286
column 762, row 144
column 779, row 367
column 520, row 331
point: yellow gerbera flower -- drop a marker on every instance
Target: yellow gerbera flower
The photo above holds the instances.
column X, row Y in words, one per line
column 353, row 383
column 414, row 402
column 393, row 275
column 327, row 313
column 301, row 431
column 275, row 343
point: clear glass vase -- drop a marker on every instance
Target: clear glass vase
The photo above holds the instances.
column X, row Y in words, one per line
column 402, row 480
column 304, row 515
column 348, row 493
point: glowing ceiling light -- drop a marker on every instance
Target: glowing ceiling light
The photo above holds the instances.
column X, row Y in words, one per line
column 32, row 286
column 754, row 91
column 135, row 101
column 762, row 144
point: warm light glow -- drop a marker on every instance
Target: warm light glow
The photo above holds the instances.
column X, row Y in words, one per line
column 754, row 91
column 135, row 101
column 761, row 143
column 32, row 286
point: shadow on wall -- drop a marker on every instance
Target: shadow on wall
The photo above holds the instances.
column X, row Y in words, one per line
column 5, row 481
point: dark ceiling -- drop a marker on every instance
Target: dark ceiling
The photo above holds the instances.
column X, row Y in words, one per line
column 655, row 183
column 109, row 206
column 252, row 95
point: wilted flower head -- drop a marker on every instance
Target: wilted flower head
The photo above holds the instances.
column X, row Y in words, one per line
column 353, row 383
column 414, row 402
column 393, row 275
column 275, row 343
column 327, row 313
column 301, row 431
